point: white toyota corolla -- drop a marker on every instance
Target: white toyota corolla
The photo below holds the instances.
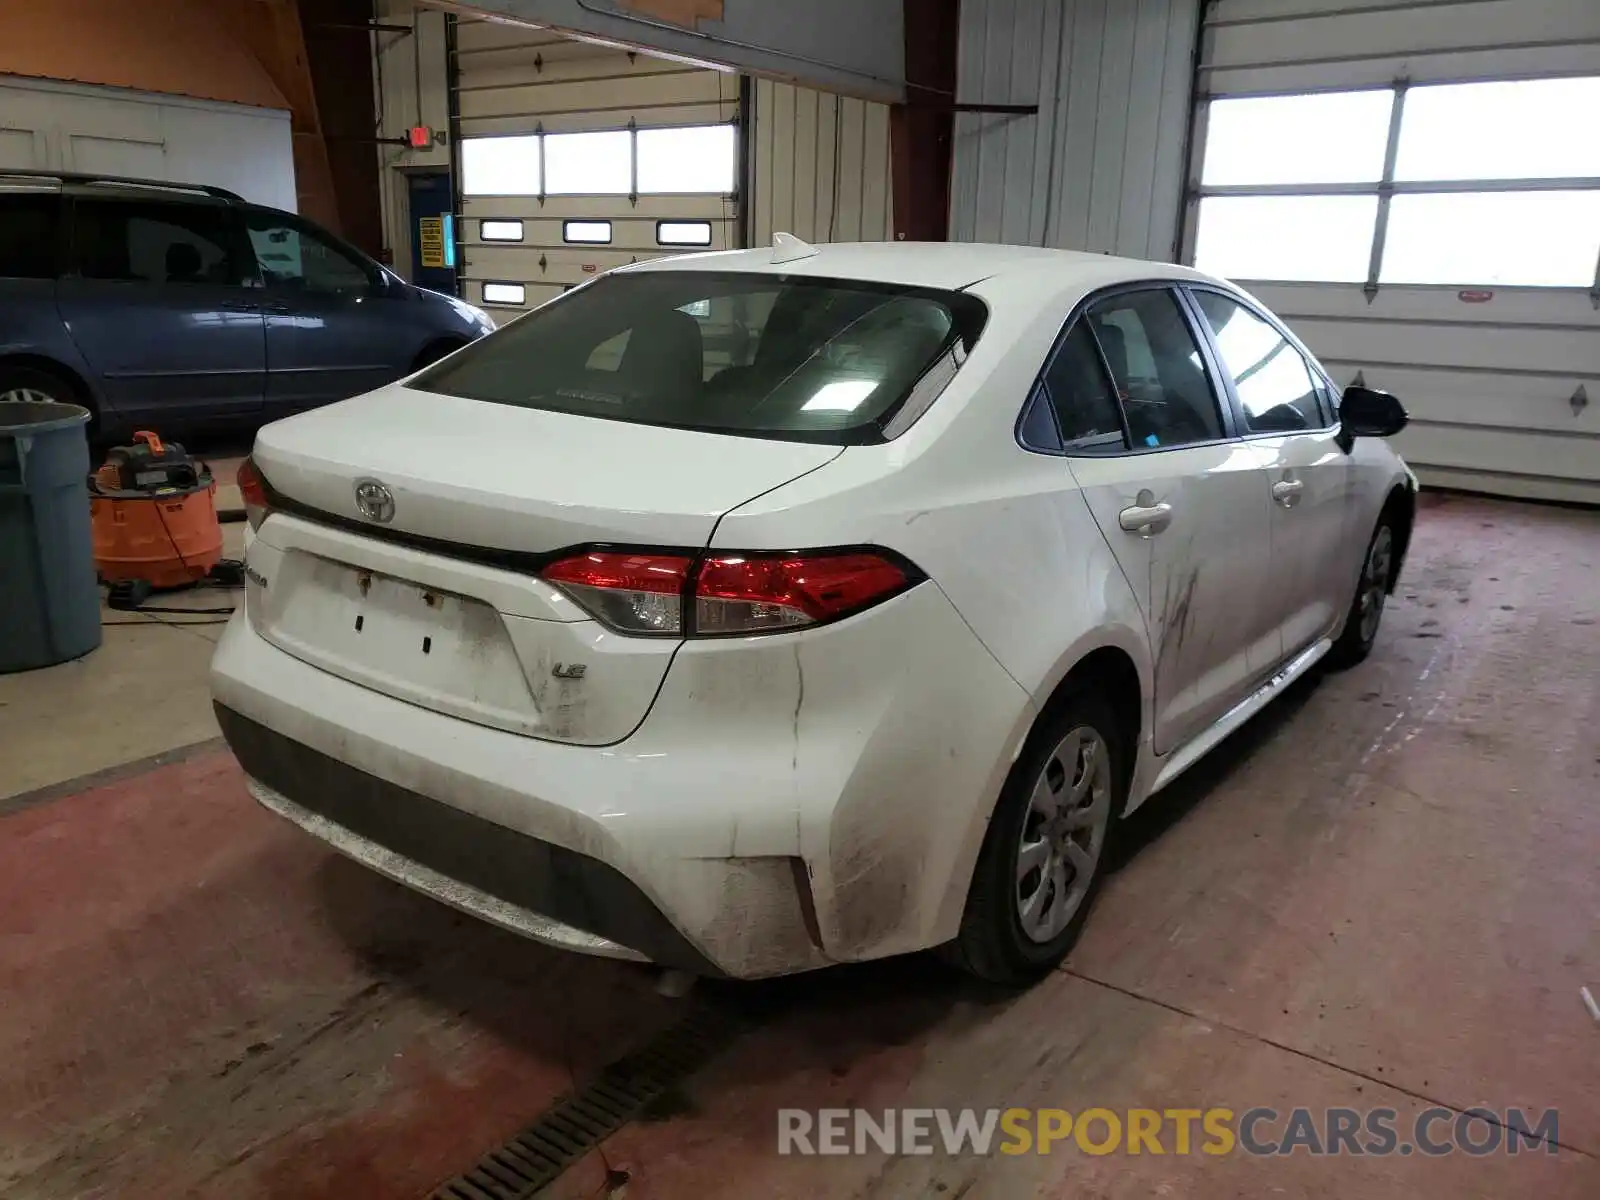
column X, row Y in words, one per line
column 755, row 611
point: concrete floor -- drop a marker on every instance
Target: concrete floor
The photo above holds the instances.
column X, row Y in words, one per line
column 1382, row 893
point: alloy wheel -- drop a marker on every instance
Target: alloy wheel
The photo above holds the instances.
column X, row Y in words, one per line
column 1063, row 834
column 1375, row 582
column 26, row 395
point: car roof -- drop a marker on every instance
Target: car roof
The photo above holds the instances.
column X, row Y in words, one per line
column 948, row 265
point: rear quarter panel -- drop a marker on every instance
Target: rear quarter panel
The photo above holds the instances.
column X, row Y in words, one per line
column 1003, row 532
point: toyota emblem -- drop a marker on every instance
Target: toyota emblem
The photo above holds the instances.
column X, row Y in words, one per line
column 374, row 501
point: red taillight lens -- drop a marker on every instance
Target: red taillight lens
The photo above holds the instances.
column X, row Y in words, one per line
column 643, row 593
column 253, row 491
column 755, row 593
column 632, row 593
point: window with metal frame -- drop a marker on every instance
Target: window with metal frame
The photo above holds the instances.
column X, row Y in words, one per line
column 499, row 231
column 1457, row 184
column 587, row 233
column 501, row 166
column 505, row 293
column 683, row 233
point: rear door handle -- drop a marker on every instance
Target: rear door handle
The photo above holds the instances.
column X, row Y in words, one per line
column 1287, row 492
column 240, row 306
column 276, row 306
column 1145, row 519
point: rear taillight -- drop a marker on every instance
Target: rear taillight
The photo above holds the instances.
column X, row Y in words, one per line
column 631, row 592
column 253, row 491
column 644, row 593
column 755, row 593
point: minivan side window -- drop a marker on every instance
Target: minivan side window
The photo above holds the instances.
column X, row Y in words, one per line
column 28, row 235
column 1156, row 365
column 1276, row 389
column 156, row 242
column 292, row 254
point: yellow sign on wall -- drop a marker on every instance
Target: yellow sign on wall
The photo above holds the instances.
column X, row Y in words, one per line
column 430, row 240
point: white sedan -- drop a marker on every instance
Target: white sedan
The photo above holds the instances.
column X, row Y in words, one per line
column 750, row 612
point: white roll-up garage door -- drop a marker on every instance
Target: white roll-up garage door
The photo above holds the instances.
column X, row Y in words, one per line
column 1415, row 186
column 577, row 157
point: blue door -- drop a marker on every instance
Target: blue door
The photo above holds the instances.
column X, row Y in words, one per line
column 433, row 255
column 165, row 307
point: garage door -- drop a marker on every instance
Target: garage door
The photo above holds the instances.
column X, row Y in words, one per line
column 1415, row 185
column 576, row 158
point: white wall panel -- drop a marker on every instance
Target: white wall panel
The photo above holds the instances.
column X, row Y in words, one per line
column 820, row 166
column 114, row 131
column 1100, row 166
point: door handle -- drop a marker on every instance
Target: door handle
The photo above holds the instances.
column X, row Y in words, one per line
column 276, row 306
column 1287, row 492
column 239, row 306
column 1145, row 520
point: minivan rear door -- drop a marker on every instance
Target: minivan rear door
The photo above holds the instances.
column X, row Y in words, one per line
column 160, row 302
column 334, row 329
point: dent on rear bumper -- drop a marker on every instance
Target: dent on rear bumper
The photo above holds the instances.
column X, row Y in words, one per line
column 790, row 801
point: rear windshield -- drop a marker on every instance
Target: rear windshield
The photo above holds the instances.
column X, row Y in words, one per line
column 805, row 359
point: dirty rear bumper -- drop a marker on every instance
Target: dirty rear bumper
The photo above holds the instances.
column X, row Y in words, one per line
column 533, row 887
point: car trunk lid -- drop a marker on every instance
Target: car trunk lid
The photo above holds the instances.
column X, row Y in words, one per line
column 438, row 601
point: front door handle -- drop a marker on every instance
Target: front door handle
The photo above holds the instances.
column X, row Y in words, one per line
column 1145, row 519
column 240, row 306
column 276, row 306
column 1287, row 492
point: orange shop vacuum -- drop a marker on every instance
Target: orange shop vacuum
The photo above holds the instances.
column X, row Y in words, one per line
column 153, row 512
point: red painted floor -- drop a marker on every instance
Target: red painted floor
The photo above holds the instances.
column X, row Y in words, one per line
column 1383, row 893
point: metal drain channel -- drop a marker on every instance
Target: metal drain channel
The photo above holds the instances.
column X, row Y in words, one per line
column 581, row 1120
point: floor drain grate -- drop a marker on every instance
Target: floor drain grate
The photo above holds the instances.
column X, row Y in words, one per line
column 580, row 1121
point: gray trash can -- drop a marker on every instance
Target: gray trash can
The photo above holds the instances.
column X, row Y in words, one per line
column 49, row 596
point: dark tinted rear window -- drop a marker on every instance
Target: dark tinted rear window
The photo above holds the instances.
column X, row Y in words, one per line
column 799, row 358
column 29, row 237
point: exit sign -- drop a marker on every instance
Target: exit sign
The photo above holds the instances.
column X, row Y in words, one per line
column 420, row 137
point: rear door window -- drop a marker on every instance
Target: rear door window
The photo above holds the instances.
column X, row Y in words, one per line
column 1156, row 366
column 156, row 242
column 29, row 235
column 293, row 254
column 1276, row 390
column 767, row 355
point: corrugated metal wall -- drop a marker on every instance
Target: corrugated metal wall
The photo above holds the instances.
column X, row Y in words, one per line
column 1101, row 166
column 1491, row 375
column 819, row 166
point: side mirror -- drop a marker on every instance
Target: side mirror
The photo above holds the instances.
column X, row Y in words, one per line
column 1366, row 412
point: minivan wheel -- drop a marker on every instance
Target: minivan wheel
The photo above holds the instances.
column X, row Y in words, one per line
column 33, row 386
column 1043, row 858
column 1366, row 609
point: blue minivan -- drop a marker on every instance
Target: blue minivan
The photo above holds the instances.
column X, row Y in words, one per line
column 184, row 308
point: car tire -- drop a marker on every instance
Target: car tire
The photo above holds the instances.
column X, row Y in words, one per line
column 1366, row 607
column 1078, row 739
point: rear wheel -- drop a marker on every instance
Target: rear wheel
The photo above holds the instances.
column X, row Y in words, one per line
column 1366, row 609
column 1043, row 858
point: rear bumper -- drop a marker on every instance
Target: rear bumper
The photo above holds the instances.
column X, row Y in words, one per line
column 546, row 892
column 787, row 803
